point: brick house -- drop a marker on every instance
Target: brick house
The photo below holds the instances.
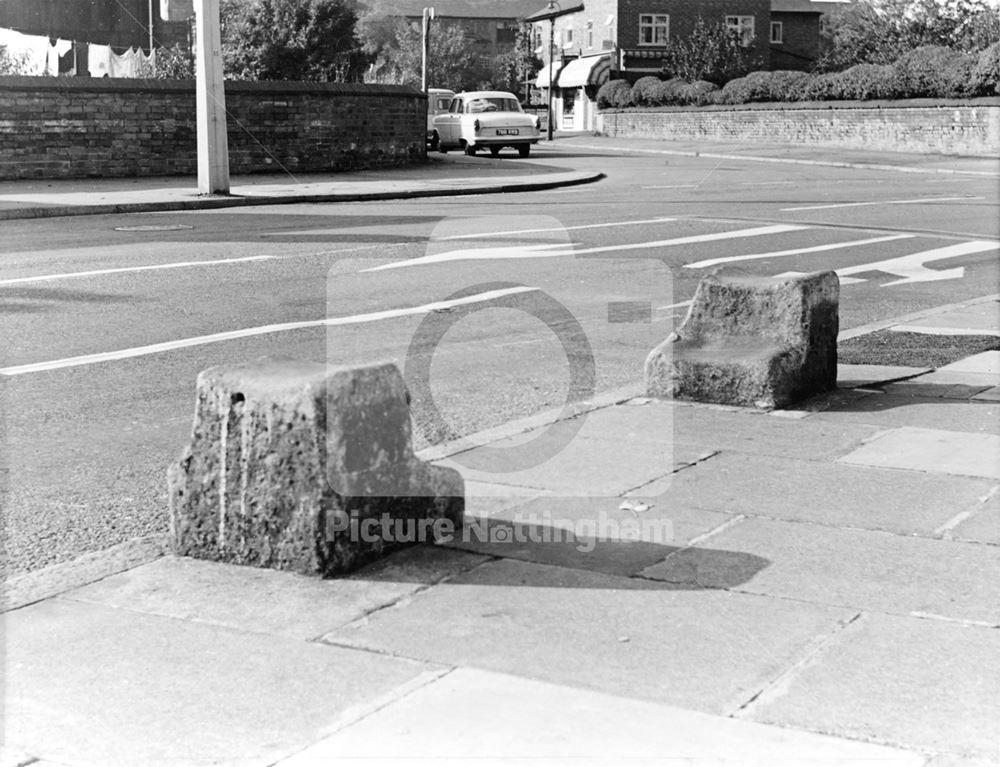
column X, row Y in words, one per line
column 596, row 40
column 794, row 32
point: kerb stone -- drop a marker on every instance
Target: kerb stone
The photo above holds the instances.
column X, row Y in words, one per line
column 304, row 467
column 752, row 341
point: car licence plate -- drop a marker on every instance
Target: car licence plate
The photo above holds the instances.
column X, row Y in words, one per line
column 507, row 131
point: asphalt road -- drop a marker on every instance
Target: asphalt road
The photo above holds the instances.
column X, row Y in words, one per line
column 539, row 288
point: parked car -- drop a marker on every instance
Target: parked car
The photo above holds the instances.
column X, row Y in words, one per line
column 485, row 120
column 438, row 101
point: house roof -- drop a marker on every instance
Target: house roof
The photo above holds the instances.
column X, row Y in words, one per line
column 807, row 6
column 466, row 9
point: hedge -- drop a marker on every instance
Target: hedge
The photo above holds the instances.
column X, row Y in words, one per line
column 927, row 72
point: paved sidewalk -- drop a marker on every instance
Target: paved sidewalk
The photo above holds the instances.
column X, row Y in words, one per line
column 436, row 178
column 681, row 584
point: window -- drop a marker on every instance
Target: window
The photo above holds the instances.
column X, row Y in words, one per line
column 654, row 28
column 590, row 34
column 506, row 33
column 456, row 106
column 568, row 37
column 777, row 32
column 743, row 27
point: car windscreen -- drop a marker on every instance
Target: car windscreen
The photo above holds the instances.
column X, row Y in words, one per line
column 493, row 104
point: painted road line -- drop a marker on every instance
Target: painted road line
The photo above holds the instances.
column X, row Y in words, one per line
column 175, row 265
column 796, row 251
column 476, row 235
column 929, row 330
column 911, row 268
column 555, row 250
column 674, row 186
column 882, row 202
column 184, row 343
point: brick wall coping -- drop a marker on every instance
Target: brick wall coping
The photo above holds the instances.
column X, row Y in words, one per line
column 135, row 85
column 792, row 106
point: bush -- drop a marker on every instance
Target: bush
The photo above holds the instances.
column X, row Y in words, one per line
column 743, row 90
column 668, row 92
column 786, row 85
column 821, row 87
column 864, row 81
column 933, row 71
column 697, row 93
column 614, row 94
column 644, row 91
column 986, row 73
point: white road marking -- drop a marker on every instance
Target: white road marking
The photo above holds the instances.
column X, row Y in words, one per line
column 554, row 229
column 911, row 268
column 674, row 306
column 184, row 343
column 795, row 252
column 173, row 265
column 882, row 202
column 555, row 250
column 934, row 330
column 673, row 186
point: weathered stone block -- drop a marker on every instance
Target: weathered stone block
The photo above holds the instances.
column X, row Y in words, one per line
column 755, row 341
column 299, row 466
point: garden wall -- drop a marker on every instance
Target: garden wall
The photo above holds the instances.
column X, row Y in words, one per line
column 962, row 129
column 79, row 127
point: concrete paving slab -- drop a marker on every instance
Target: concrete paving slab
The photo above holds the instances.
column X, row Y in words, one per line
column 909, row 682
column 707, row 650
column 984, row 363
column 268, row 601
column 585, row 466
column 861, row 569
column 942, row 386
column 484, row 718
column 894, row 410
column 850, row 376
column 587, row 533
column 934, row 450
column 983, row 525
column 815, row 491
column 88, row 684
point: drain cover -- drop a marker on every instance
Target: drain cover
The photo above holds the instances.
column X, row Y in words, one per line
column 152, row 228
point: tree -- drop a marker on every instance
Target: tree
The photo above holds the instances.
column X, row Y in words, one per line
column 510, row 70
column 290, row 40
column 880, row 31
column 712, row 52
column 451, row 64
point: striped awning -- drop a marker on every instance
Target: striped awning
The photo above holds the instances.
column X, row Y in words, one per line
column 542, row 80
column 589, row 70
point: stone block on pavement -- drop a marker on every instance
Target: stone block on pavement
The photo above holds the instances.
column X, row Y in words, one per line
column 752, row 341
column 304, row 467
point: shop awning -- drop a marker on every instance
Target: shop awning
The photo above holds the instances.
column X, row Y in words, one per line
column 542, row 81
column 590, row 70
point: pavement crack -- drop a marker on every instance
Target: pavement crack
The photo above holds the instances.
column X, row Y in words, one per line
column 780, row 685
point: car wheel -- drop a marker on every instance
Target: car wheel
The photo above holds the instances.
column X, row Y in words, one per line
column 524, row 150
column 470, row 149
column 435, row 142
column 495, row 151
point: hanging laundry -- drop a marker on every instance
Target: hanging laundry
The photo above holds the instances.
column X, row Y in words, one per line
column 54, row 53
column 99, row 60
column 67, row 62
column 28, row 53
column 147, row 63
column 125, row 64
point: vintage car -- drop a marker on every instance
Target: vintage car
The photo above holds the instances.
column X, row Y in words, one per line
column 485, row 120
column 438, row 101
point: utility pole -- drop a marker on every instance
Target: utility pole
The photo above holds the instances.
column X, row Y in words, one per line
column 428, row 16
column 552, row 55
column 210, row 97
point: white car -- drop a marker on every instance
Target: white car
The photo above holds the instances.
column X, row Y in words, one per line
column 438, row 101
column 485, row 119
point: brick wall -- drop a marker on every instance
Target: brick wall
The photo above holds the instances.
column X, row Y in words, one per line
column 972, row 129
column 78, row 127
column 801, row 41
